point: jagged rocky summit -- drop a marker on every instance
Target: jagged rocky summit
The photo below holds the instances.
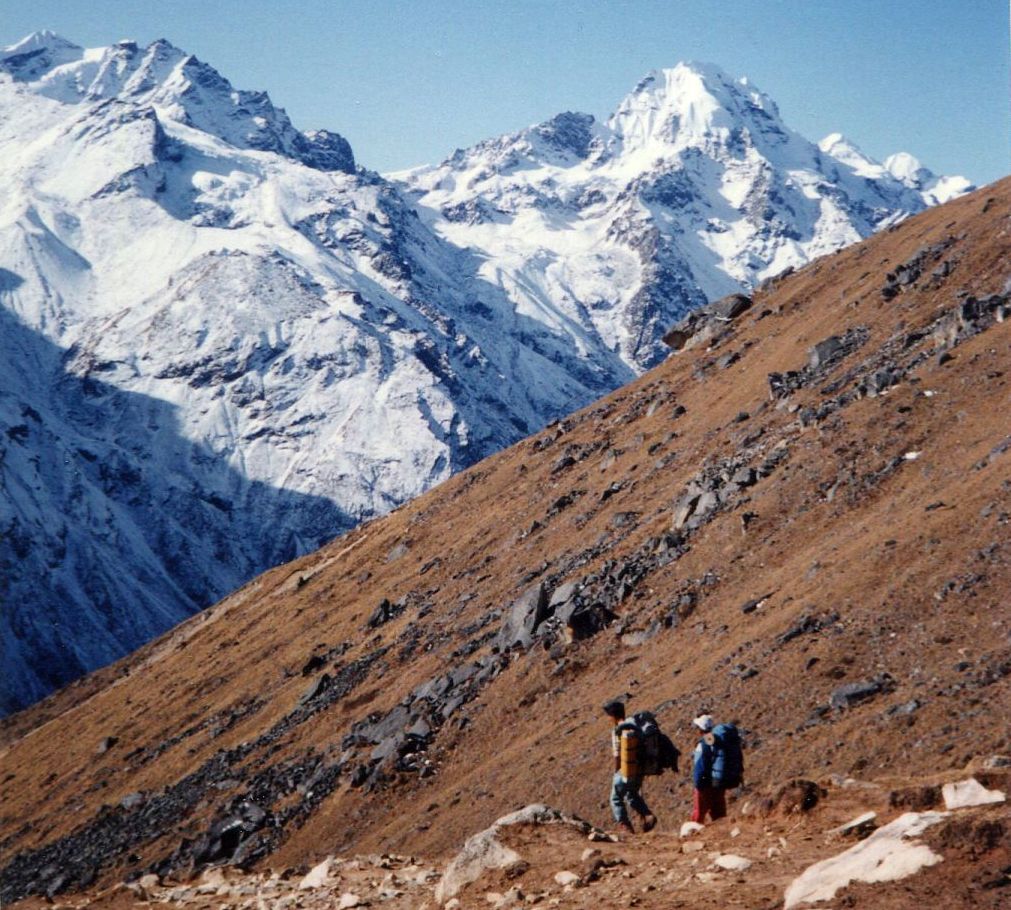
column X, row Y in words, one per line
column 225, row 341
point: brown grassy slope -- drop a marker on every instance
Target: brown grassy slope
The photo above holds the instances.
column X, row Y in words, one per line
column 835, row 531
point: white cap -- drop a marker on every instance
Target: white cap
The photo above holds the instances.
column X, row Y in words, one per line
column 704, row 722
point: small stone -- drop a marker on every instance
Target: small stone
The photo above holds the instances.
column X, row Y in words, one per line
column 691, row 828
column 132, row 800
column 732, row 862
column 590, row 853
column 106, row 744
column 860, row 826
column 565, row 877
column 149, row 882
column 316, row 876
column 693, row 846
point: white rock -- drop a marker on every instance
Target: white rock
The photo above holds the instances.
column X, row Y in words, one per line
column 348, row 900
column 452, row 904
column 693, row 846
column 887, row 855
column 590, row 853
column 565, row 877
column 732, row 862
column 691, row 828
column 317, row 875
column 971, row 792
column 735, row 832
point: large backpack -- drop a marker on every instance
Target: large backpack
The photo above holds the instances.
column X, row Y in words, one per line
column 656, row 751
column 728, row 757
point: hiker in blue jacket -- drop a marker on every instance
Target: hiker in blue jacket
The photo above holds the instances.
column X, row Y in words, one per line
column 709, row 798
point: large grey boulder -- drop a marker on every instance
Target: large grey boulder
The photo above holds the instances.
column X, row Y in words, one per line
column 485, row 851
column 706, row 322
column 523, row 617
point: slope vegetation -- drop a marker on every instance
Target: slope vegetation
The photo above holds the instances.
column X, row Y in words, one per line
column 800, row 521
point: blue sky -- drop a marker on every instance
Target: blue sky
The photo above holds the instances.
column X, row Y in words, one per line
column 407, row 82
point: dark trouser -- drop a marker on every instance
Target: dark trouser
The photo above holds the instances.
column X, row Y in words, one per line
column 622, row 790
column 711, row 801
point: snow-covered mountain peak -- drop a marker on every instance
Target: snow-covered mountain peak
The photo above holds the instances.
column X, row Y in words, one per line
column 908, row 170
column 903, row 168
column 176, row 84
column 844, row 150
column 44, row 40
column 690, row 104
column 906, row 167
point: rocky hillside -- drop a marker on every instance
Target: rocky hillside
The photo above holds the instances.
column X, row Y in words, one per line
column 800, row 521
column 224, row 341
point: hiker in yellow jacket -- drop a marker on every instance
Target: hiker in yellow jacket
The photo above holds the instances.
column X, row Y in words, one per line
column 627, row 780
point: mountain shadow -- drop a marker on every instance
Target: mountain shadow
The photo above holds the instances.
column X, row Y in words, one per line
column 113, row 526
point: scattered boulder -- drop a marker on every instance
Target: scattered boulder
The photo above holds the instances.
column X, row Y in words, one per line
column 859, row 827
column 971, row 792
column 523, row 617
column 854, row 693
column 317, row 876
column 793, row 797
column 484, row 851
column 316, row 689
column 731, row 862
column 887, row 855
column 689, row 829
column 707, row 322
column 384, row 612
column 106, row 744
column 131, row 800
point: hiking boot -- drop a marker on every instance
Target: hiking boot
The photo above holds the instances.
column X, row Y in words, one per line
column 626, row 827
column 648, row 822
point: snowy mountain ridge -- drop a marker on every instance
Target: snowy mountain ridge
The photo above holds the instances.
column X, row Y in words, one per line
column 224, row 342
column 692, row 189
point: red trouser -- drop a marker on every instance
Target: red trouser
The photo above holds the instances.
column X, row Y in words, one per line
column 709, row 800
